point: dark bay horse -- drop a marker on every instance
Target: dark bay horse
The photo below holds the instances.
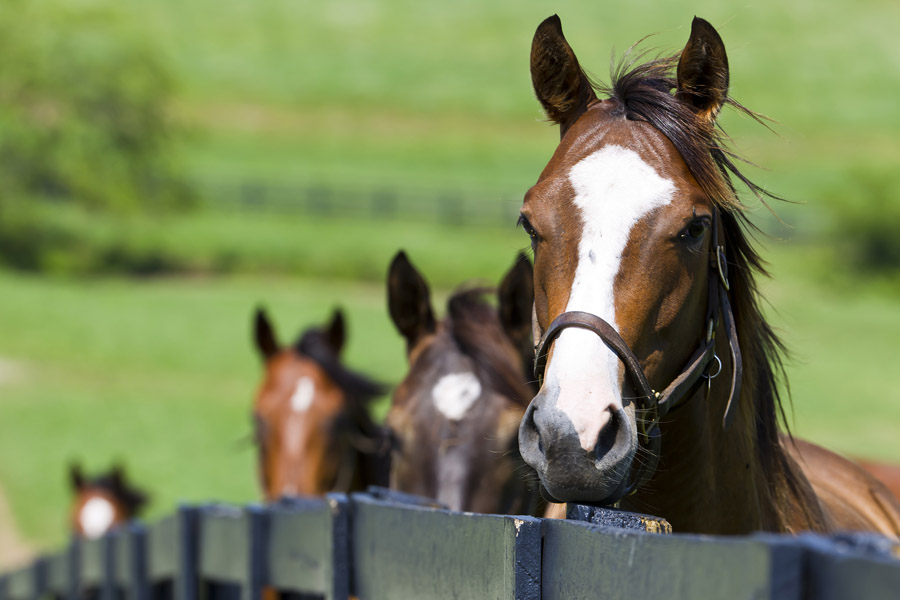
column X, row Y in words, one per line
column 103, row 502
column 659, row 371
column 311, row 416
column 455, row 416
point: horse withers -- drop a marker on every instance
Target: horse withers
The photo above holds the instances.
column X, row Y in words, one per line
column 311, row 416
column 659, row 370
column 455, row 415
column 103, row 502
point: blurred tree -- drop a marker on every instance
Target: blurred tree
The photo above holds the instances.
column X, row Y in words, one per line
column 83, row 121
column 866, row 219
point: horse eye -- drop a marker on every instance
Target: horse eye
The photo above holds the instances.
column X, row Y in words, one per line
column 695, row 230
column 528, row 229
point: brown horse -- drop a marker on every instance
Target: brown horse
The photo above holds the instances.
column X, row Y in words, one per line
column 455, row 415
column 886, row 473
column 311, row 416
column 103, row 502
column 644, row 281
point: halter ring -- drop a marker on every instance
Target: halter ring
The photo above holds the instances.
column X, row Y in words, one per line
column 718, row 369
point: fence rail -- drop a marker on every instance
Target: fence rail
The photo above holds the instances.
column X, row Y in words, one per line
column 451, row 206
column 380, row 545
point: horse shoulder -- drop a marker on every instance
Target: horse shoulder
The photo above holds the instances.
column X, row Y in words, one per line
column 850, row 496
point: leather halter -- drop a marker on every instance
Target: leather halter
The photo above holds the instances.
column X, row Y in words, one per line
column 655, row 405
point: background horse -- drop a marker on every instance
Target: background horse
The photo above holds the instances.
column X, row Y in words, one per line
column 103, row 502
column 311, row 416
column 454, row 417
column 644, row 281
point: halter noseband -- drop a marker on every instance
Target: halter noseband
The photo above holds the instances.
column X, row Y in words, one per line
column 656, row 405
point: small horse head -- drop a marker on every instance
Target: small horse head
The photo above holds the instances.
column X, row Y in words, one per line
column 311, row 415
column 455, row 415
column 623, row 221
column 103, row 502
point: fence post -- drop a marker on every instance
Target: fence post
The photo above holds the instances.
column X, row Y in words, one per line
column 186, row 579
column 339, row 506
column 257, row 559
column 108, row 581
column 137, row 542
column 528, row 557
column 74, row 556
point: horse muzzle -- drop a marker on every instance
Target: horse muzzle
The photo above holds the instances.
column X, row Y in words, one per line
column 549, row 443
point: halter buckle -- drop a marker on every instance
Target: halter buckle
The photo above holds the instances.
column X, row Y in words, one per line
column 722, row 265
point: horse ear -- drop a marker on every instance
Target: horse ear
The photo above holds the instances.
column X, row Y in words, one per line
column 409, row 300
column 336, row 331
column 76, row 477
column 516, row 301
column 703, row 71
column 117, row 477
column 516, row 296
column 561, row 86
column 264, row 335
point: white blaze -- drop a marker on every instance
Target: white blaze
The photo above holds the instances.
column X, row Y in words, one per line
column 614, row 189
column 454, row 394
column 303, row 394
column 96, row 517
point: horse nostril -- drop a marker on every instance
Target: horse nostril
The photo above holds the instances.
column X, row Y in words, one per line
column 608, row 436
column 532, row 424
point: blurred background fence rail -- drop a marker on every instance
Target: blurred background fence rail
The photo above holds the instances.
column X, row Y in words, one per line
column 449, row 206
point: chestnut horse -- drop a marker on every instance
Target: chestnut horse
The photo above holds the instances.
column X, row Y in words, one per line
column 102, row 502
column 311, row 416
column 455, row 416
column 644, row 281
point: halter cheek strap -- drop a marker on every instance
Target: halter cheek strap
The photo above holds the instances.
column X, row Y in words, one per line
column 656, row 405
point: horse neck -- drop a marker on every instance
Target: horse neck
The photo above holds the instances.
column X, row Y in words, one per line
column 712, row 480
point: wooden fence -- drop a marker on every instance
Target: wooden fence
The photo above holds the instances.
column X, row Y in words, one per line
column 384, row 545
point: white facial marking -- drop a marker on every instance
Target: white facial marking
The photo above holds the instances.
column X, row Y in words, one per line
column 614, row 188
column 303, row 395
column 96, row 517
column 454, row 394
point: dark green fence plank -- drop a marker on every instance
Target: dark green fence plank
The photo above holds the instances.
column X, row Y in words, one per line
column 20, row 584
column 852, row 566
column 231, row 548
column 224, row 544
column 307, row 546
column 403, row 552
column 581, row 560
column 58, row 574
column 172, row 553
column 162, row 545
column 91, row 563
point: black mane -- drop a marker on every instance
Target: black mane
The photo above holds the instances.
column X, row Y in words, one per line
column 358, row 387
column 113, row 482
column 475, row 327
column 644, row 92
